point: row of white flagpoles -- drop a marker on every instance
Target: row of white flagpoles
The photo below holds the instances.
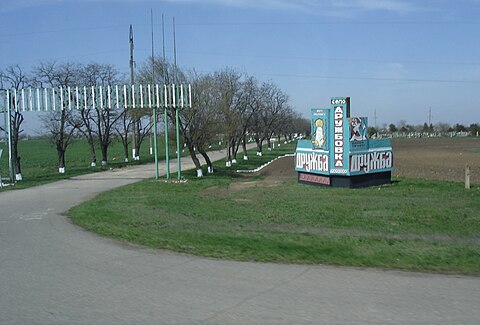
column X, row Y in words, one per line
column 100, row 97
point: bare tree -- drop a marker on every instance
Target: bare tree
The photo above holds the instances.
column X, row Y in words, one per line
column 61, row 125
column 101, row 119
column 271, row 114
column 122, row 128
column 229, row 88
column 15, row 79
column 247, row 110
column 199, row 124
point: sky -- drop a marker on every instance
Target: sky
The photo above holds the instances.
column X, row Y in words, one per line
column 396, row 59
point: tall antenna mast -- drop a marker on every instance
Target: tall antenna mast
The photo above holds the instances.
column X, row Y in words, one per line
column 164, row 56
column 153, row 51
column 429, row 116
column 154, row 122
column 134, row 135
column 177, row 118
column 174, row 53
column 131, row 55
column 154, row 112
column 164, row 72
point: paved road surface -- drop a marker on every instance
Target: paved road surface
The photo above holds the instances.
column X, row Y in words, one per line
column 52, row 272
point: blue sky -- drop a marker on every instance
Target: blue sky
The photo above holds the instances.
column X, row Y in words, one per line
column 396, row 57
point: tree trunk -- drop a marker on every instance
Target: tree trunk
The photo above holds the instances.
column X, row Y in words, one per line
column 259, row 141
column 269, row 144
column 207, row 159
column 237, row 146
column 125, row 150
column 138, row 140
column 104, row 148
column 228, row 163
column 91, row 144
column 61, row 159
column 16, row 124
column 234, row 148
column 195, row 160
column 16, row 158
column 244, row 148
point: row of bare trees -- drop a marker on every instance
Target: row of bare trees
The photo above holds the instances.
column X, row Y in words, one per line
column 228, row 107
column 234, row 108
column 98, row 126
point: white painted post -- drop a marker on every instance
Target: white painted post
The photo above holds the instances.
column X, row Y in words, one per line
column 30, row 99
column 467, row 177
column 125, row 96
column 190, row 95
column 39, row 103
column 53, row 98
column 93, row 97
column 101, row 97
column 61, row 98
column 133, row 96
column 45, row 92
column 85, row 97
column 109, row 97
column 181, row 96
column 116, row 96
column 69, row 99
column 77, row 99
column 149, row 96
column 165, row 95
column 23, row 100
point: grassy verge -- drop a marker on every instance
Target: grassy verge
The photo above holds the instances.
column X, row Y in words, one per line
column 411, row 224
column 40, row 165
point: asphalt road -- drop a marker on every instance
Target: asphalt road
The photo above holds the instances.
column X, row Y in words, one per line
column 52, row 272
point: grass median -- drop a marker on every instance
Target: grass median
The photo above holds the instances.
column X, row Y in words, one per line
column 410, row 224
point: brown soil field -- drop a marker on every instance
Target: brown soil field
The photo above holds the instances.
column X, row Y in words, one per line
column 425, row 158
column 437, row 158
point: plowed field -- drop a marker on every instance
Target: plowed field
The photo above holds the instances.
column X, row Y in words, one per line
column 425, row 158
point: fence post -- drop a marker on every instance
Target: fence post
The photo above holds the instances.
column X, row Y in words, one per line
column 467, row 176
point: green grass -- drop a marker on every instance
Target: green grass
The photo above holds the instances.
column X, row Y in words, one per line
column 40, row 164
column 411, row 224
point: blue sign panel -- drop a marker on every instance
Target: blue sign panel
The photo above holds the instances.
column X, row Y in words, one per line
column 340, row 146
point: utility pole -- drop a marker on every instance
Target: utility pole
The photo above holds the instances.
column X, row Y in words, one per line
column 177, row 119
column 154, row 113
column 134, row 117
column 164, row 72
column 153, row 82
column 429, row 116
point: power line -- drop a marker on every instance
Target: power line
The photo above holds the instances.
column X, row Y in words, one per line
column 379, row 79
column 285, row 75
column 61, row 30
column 329, row 59
column 336, row 22
column 239, row 23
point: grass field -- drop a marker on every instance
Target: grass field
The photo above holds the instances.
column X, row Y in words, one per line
column 412, row 224
column 40, row 164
